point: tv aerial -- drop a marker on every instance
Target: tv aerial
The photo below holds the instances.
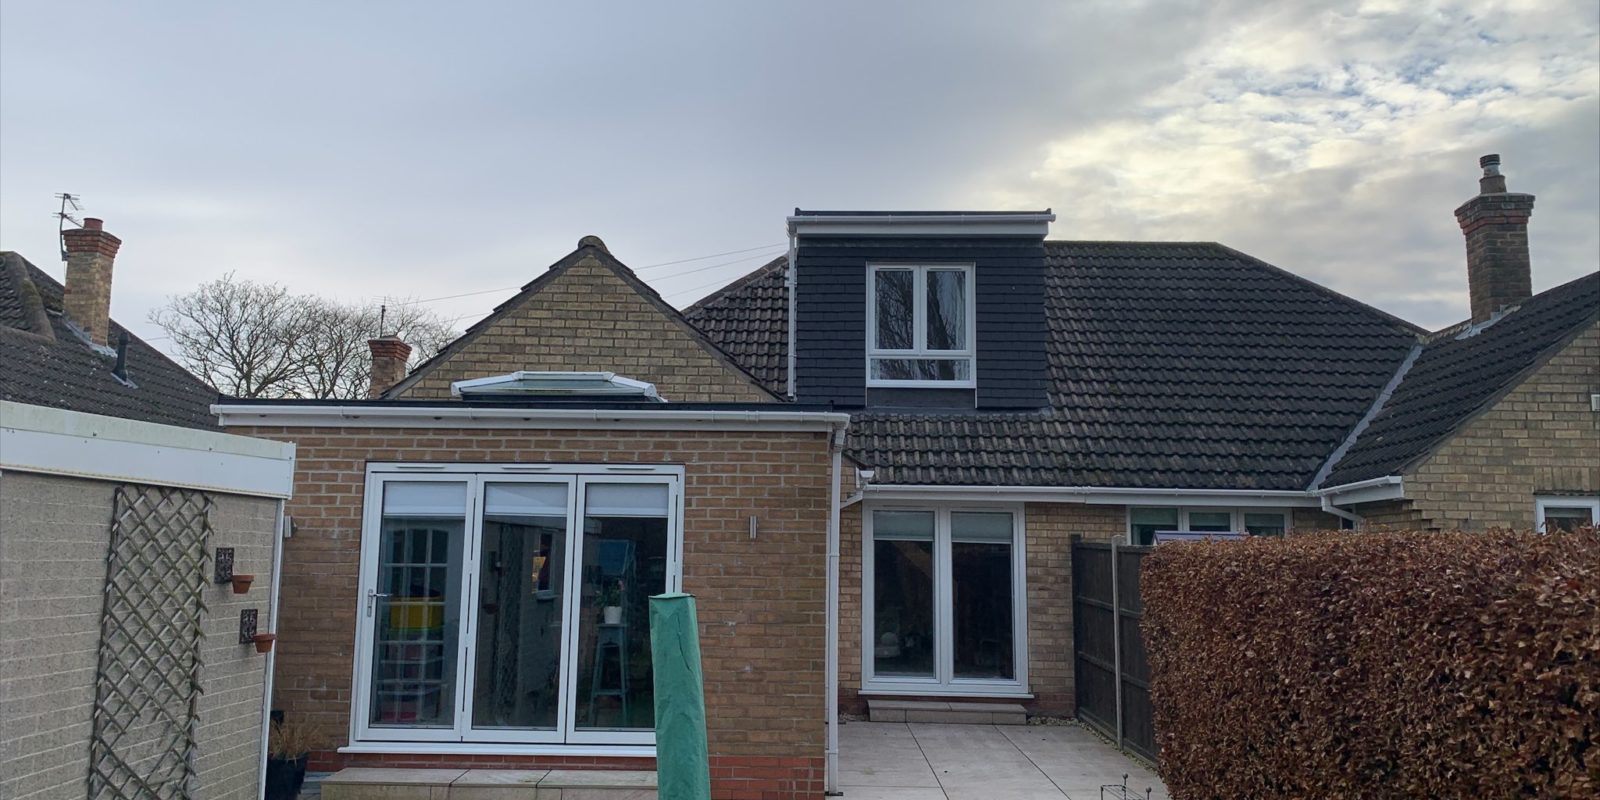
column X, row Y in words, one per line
column 68, row 200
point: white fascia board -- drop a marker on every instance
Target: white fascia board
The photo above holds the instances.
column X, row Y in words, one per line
column 306, row 416
column 1098, row 495
column 922, row 225
column 1388, row 487
column 59, row 442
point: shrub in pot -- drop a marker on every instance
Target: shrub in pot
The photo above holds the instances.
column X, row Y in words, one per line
column 288, row 743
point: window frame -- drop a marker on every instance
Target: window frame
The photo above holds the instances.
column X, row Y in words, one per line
column 944, row 682
column 1236, row 515
column 1544, row 502
column 462, row 736
column 919, row 326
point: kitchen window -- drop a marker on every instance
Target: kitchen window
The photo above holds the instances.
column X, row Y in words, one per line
column 944, row 603
column 1566, row 513
column 921, row 326
column 511, row 604
column 1143, row 523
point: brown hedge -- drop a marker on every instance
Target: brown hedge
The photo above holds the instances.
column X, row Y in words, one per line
column 1377, row 665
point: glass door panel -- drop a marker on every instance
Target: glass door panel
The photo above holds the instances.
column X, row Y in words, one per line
column 415, row 607
column 981, row 595
column 902, row 592
column 521, row 584
column 624, row 560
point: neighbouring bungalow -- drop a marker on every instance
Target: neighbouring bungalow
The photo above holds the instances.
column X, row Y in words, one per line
column 867, row 459
column 124, row 515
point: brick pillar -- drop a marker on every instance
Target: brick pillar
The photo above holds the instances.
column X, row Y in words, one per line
column 90, row 253
column 1495, row 224
column 389, row 356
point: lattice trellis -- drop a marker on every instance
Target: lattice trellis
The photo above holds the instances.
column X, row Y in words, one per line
column 147, row 688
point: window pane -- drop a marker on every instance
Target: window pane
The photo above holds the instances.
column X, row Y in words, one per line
column 902, row 592
column 1146, row 521
column 921, row 369
column 916, row 525
column 624, row 563
column 985, row 526
column 981, row 603
column 1210, row 520
column 417, row 611
column 1567, row 518
column 520, row 583
column 894, row 309
column 627, row 500
column 947, row 309
column 1264, row 524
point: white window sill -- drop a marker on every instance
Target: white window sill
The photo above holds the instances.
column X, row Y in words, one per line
column 501, row 749
column 945, row 690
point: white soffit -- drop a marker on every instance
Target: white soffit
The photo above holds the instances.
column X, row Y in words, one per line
column 59, row 442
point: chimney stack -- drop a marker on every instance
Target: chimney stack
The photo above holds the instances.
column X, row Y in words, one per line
column 90, row 253
column 1495, row 223
column 389, row 356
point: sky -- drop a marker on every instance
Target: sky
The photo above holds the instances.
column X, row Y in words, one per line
column 411, row 151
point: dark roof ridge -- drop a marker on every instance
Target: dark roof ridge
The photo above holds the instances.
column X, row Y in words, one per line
column 738, row 283
column 1403, row 325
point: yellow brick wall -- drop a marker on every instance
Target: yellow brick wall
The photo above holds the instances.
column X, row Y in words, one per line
column 588, row 319
column 1541, row 438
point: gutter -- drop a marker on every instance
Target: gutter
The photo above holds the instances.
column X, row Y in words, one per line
column 1114, row 495
column 333, row 415
column 1388, row 487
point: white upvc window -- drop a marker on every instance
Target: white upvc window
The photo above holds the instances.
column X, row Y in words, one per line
column 1565, row 513
column 507, row 605
column 944, row 600
column 1144, row 522
column 921, row 326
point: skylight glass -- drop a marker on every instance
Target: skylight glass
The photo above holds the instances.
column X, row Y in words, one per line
column 557, row 385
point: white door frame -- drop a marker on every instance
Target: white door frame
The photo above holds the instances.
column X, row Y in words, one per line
column 944, row 682
column 474, row 476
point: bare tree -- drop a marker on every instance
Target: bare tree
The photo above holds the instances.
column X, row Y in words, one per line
column 249, row 339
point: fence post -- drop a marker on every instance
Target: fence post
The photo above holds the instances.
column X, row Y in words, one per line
column 1116, row 635
column 683, row 769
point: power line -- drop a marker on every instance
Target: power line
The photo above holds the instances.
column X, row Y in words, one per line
column 637, row 269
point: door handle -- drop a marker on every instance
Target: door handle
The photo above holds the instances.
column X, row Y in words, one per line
column 372, row 599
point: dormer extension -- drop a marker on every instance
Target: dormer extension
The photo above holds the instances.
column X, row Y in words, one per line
column 918, row 309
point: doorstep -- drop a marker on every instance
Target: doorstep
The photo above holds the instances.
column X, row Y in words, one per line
column 366, row 783
column 950, row 713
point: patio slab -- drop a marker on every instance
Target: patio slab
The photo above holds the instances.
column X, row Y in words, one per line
column 926, row 761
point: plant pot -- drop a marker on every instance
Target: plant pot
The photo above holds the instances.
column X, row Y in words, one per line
column 264, row 642
column 611, row 615
column 284, row 777
column 241, row 583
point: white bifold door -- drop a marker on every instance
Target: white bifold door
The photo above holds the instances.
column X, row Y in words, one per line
column 512, row 608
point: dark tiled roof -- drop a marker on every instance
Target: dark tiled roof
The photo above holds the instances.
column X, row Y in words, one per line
column 749, row 320
column 65, row 372
column 1454, row 378
column 1171, row 365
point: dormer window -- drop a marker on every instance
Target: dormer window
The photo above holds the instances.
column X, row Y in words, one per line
column 920, row 327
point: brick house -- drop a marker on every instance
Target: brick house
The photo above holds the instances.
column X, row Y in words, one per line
column 867, row 459
column 121, row 663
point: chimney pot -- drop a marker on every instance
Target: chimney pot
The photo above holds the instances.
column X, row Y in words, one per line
column 91, row 252
column 389, row 356
column 1495, row 224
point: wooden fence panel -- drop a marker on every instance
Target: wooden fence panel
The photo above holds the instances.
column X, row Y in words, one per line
column 1113, row 673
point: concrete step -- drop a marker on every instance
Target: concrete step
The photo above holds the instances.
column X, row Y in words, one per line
column 363, row 783
column 949, row 713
